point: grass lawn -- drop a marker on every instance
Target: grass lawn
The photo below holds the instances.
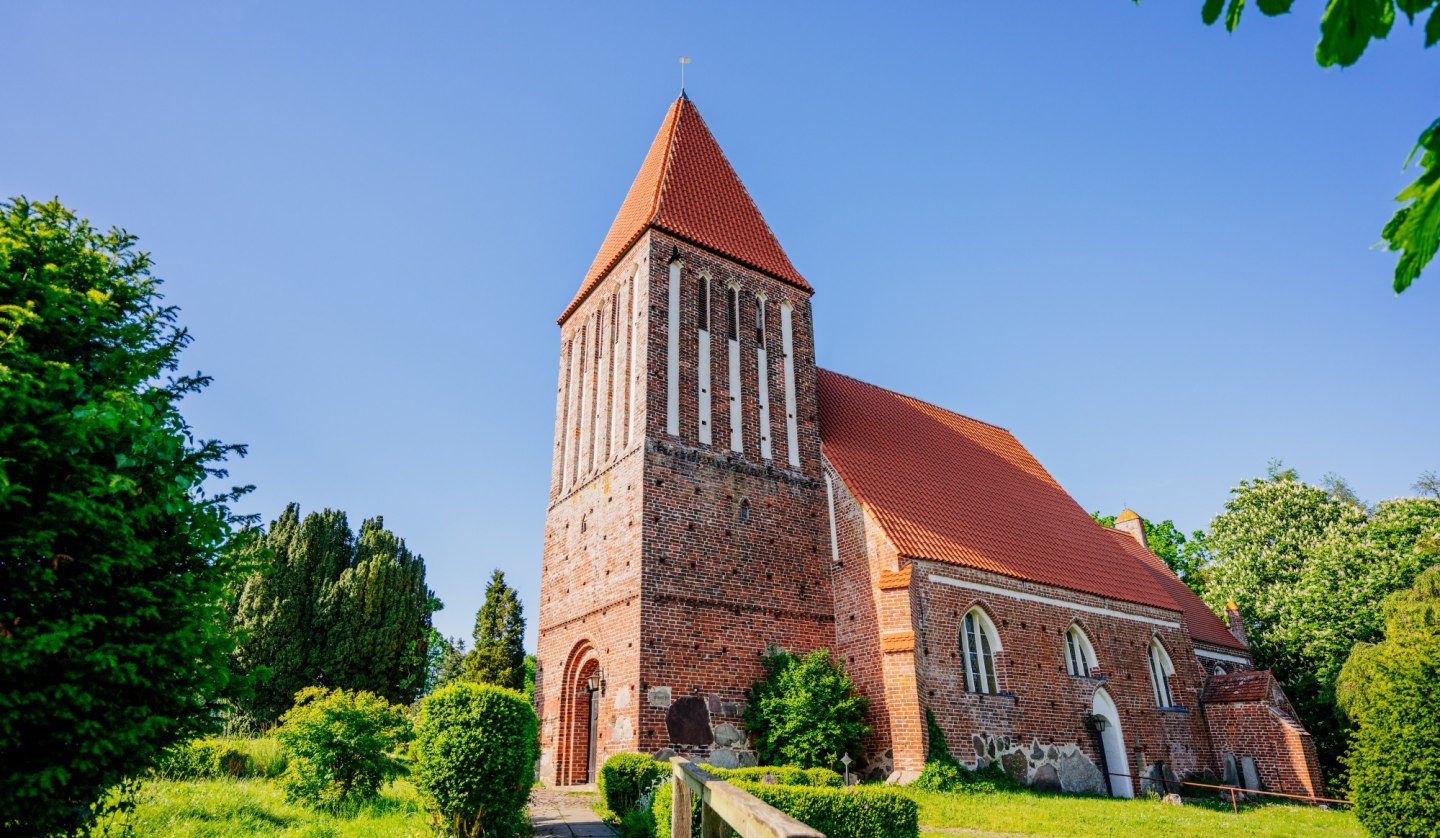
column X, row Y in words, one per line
column 223, row 808
column 1024, row 813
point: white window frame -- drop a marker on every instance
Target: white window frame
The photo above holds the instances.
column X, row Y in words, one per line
column 978, row 662
column 1079, row 653
column 1160, row 671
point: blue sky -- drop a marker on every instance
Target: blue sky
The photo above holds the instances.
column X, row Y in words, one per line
column 1141, row 244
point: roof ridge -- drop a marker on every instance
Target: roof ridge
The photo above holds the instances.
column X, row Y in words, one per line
column 658, row 198
column 899, row 394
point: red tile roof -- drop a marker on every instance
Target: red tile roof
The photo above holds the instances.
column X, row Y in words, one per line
column 687, row 188
column 1238, row 686
column 1205, row 627
column 953, row 489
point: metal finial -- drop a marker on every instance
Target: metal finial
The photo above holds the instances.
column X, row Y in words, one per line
column 684, row 59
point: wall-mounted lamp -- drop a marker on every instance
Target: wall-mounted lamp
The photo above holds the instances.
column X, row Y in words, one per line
column 1098, row 722
column 597, row 681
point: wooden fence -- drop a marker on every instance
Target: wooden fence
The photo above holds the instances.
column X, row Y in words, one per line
column 724, row 809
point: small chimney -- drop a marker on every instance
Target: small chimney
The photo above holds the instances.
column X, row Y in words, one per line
column 1237, row 626
column 1128, row 521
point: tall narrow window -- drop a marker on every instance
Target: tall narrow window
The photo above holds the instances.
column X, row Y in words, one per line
column 1160, row 671
column 978, row 643
column 672, row 353
column 581, row 397
column 604, row 356
column 567, row 358
column 617, row 376
column 732, row 327
column 760, row 320
column 762, row 372
column 1079, row 654
column 593, row 414
column 702, row 346
column 787, row 346
column 632, row 338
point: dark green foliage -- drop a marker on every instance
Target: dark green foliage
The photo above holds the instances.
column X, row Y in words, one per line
column 112, row 641
column 859, row 812
column 499, row 654
column 943, row 772
column 475, row 750
column 444, row 661
column 1185, row 556
column 340, row 744
column 1391, row 690
column 327, row 608
column 638, row 823
column 625, row 777
column 806, row 712
column 785, row 775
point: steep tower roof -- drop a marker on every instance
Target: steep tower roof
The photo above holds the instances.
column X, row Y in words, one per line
column 687, row 188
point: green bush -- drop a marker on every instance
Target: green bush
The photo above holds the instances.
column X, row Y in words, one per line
column 624, row 777
column 785, row 775
column 475, row 752
column 1391, row 691
column 858, row 812
column 638, row 823
column 943, row 772
column 340, row 744
column 806, row 712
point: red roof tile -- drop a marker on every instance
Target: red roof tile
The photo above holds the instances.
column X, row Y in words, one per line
column 953, row 489
column 1238, row 686
column 687, row 188
column 1205, row 627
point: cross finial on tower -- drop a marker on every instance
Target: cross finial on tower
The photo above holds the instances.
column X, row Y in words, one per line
column 684, row 59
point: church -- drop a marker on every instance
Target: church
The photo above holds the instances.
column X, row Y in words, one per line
column 714, row 493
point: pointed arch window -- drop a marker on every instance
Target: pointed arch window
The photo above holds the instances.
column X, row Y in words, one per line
column 732, row 328
column 1079, row 654
column 760, row 320
column 978, row 646
column 1160, row 671
column 702, row 304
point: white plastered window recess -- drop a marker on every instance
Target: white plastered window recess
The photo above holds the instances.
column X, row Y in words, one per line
column 979, row 644
column 1160, row 671
column 1079, row 654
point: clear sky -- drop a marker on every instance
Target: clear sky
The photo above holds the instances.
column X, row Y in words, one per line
column 1141, row 244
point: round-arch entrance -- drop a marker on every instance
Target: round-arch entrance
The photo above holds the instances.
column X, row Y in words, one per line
column 577, row 758
column 1106, row 717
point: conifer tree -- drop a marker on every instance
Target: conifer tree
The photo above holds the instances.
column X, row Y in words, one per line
column 324, row 608
column 499, row 653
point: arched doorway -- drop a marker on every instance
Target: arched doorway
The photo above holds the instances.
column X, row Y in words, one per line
column 578, row 761
column 1112, row 743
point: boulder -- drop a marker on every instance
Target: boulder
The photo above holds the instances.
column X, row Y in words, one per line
column 1079, row 774
column 1046, row 779
column 1016, row 766
column 727, row 735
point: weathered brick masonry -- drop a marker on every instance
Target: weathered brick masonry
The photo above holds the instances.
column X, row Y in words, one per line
column 675, row 555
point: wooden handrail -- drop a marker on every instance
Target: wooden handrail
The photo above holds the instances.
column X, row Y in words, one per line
column 723, row 805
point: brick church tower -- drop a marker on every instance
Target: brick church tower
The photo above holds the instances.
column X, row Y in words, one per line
column 686, row 530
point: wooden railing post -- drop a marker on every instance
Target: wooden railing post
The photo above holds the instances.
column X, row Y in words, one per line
column 711, row 824
column 679, row 806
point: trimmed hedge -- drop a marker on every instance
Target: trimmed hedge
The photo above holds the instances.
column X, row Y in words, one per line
column 857, row 812
column 624, row 777
column 475, row 751
column 785, row 775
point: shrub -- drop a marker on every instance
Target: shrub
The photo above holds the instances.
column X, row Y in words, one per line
column 858, row 812
column 113, row 646
column 1391, row 690
column 340, row 744
column 638, row 823
column 624, row 777
column 861, row 812
column 475, row 752
column 806, row 712
column 785, row 775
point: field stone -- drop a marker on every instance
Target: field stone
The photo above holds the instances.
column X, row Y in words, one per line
column 1046, row 779
column 658, row 697
column 727, row 735
column 748, row 759
column 687, row 720
column 1015, row 765
column 724, row 758
column 1079, row 774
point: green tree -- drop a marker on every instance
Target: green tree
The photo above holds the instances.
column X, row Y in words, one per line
column 806, row 712
column 1391, row 691
column 1309, row 568
column 112, row 640
column 1346, row 29
column 444, row 661
column 498, row 656
column 340, row 745
column 1185, row 556
column 325, row 608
